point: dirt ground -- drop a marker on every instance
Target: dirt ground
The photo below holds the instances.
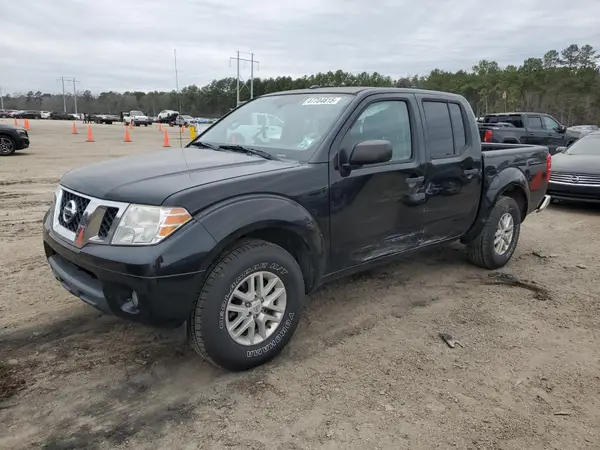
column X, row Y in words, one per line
column 366, row 368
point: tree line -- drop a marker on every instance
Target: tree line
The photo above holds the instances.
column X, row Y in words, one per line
column 565, row 84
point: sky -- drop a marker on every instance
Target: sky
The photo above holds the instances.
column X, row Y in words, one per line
column 129, row 44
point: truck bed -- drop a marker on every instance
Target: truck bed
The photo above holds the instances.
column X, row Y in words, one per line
column 530, row 160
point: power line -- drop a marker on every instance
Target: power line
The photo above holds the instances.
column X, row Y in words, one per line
column 252, row 61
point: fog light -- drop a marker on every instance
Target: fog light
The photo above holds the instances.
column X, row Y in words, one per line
column 134, row 300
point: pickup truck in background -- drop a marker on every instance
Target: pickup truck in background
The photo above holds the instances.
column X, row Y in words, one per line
column 224, row 240
column 527, row 128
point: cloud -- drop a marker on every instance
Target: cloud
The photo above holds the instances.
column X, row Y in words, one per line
column 128, row 44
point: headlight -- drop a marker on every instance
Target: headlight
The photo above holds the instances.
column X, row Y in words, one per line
column 146, row 225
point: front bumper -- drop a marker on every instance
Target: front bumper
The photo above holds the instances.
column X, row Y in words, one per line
column 574, row 192
column 165, row 278
column 22, row 142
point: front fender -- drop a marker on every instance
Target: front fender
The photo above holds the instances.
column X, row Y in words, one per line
column 494, row 186
column 239, row 216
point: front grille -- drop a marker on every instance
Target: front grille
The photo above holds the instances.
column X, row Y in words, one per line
column 107, row 221
column 76, row 207
column 575, row 178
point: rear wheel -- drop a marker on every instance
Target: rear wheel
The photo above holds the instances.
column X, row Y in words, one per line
column 7, row 146
column 496, row 243
column 249, row 306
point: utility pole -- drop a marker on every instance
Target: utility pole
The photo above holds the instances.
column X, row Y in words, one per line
column 64, row 97
column 252, row 62
column 63, row 79
column 251, row 76
column 1, row 98
column 75, row 95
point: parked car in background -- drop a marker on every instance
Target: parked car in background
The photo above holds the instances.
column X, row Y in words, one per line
column 528, row 128
column 183, row 120
column 59, row 115
column 105, row 118
column 225, row 240
column 136, row 118
column 576, row 171
column 12, row 139
column 578, row 131
column 28, row 114
column 4, row 113
column 45, row 114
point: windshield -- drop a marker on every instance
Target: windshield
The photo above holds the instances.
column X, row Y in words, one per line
column 587, row 145
column 137, row 113
column 286, row 126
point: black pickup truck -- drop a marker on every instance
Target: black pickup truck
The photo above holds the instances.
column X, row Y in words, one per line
column 225, row 240
column 12, row 138
column 527, row 128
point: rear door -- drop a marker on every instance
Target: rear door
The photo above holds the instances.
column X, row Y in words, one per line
column 454, row 175
column 377, row 210
column 536, row 135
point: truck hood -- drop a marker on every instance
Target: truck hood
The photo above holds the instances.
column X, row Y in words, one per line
column 563, row 162
column 152, row 177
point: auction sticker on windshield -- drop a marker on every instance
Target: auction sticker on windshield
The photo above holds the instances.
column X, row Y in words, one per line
column 321, row 101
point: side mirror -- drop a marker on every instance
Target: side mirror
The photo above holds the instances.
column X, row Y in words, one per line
column 370, row 152
column 561, row 129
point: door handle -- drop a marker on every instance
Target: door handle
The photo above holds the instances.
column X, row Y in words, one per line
column 531, row 134
column 415, row 180
column 471, row 171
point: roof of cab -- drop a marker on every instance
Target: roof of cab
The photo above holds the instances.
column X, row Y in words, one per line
column 363, row 91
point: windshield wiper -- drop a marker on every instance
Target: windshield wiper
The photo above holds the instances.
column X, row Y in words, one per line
column 204, row 144
column 249, row 150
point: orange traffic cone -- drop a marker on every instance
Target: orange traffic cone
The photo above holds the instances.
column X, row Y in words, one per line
column 90, row 135
column 74, row 128
column 127, row 137
column 26, row 125
column 16, row 123
column 159, row 126
column 166, row 139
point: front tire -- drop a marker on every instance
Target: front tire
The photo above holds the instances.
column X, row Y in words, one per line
column 7, row 146
column 249, row 306
column 497, row 242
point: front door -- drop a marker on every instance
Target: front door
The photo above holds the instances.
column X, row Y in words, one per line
column 376, row 210
column 554, row 139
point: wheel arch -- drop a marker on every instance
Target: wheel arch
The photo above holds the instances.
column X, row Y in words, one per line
column 271, row 218
column 510, row 182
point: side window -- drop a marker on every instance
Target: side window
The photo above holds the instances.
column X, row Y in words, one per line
column 439, row 129
column 534, row 123
column 387, row 120
column 458, row 126
column 550, row 123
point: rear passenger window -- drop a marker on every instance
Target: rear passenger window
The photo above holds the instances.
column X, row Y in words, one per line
column 534, row 123
column 439, row 129
column 458, row 127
